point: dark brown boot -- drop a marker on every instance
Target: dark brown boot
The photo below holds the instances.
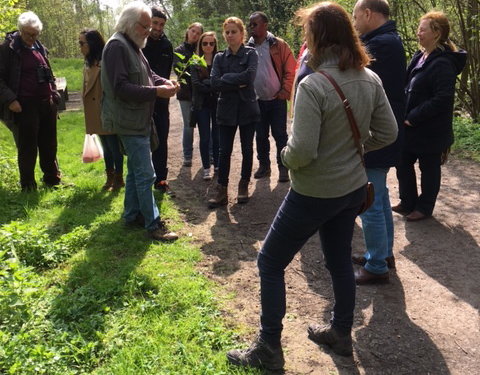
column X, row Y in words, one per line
column 110, row 177
column 220, row 198
column 283, row 174
column 243, row 191
column 263, row 171
column 118, row 182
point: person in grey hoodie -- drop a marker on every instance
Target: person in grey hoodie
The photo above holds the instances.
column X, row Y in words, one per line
column 328, row 181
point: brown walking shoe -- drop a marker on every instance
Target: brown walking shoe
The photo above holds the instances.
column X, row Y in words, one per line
column 118, row 182
column 110, row 176
column 399, row 209
column 164, row 188
column 162, row 233
column 283, row 174
column 259, row 354
column 361, row 261
column 340, row 343
column 263, row 171
column 243, row 191
column 362, row 277
column 220, row 198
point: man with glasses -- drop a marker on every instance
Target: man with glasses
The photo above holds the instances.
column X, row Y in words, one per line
column 159, row 54
column 28, row 99
column 130, row 88
column 273, row 84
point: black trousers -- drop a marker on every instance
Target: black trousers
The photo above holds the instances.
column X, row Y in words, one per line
column 37, row 134
column 226, row 138
column 161, row 118
column 431, row 173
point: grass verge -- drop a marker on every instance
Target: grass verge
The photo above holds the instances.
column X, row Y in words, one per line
column 80, row 293
column 467, row 138
column 71, row 69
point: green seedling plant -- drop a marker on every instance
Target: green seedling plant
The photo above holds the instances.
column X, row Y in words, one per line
column 181, row 68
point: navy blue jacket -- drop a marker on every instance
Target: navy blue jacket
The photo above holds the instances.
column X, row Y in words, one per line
column 159, row 54
column 430, row 93
column 233, row 76
column 386, row 48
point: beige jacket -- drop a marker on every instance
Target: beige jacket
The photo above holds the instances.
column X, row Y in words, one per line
column 92, row 100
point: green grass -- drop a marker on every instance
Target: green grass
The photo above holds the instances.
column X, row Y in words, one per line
column 71, row 69
column 81, row 294
column 467, row 138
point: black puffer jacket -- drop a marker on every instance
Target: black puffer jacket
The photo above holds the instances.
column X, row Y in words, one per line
column 430, row 93
column 187, row 50
column 10, row 65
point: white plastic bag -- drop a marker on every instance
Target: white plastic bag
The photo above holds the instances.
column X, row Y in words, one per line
column 92, row 149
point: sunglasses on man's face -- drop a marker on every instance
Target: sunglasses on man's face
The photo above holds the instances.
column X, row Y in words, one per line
column 204, row 44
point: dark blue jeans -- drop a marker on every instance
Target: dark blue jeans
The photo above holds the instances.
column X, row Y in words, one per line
column 208, row 131
column 274, row 116
column 226, row 137
column 299, row 218
column 431, row 175
column 161, row 118
column 111, row 153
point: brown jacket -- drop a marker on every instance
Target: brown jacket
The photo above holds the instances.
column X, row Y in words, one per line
column 92, row 100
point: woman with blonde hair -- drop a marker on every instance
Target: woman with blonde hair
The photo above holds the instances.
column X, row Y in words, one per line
column 430, row 90
column 328, row 180
column 184, row 95
column 204, row 102
column 233, row 74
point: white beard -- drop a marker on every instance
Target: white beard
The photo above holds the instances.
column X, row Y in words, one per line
column 139, row 41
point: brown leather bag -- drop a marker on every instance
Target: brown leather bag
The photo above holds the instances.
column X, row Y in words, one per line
column 370, row 196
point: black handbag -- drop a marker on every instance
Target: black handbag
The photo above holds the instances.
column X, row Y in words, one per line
column 370, row 196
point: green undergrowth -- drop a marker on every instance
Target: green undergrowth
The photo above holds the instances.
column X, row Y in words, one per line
column 467, row 138
column 82, row 294
column 71, row 69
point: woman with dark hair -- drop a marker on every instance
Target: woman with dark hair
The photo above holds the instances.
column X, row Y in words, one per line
column 184, row 96
column 430, row 90
column 204, row 102
column 91, row 45
column 328, row 180
column 233, row 75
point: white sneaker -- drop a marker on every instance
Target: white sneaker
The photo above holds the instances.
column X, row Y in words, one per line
column 207, row 176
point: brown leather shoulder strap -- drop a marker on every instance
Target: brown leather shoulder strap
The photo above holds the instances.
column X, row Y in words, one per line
column 348, row 111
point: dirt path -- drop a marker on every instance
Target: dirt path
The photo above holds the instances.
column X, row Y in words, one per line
column 426, row 321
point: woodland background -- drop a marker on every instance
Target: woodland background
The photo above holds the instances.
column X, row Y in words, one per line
column 63, row 19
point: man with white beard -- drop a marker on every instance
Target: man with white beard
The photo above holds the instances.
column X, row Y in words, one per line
column 130, row 88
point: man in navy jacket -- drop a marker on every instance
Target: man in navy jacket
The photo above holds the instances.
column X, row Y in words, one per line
column 379, row 34
column 159, row 54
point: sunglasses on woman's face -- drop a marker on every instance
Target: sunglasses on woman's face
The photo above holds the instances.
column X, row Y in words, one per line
column 81, row 43
column 204, row 44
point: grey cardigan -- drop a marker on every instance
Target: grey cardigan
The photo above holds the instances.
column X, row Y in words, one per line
column 320, row 152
